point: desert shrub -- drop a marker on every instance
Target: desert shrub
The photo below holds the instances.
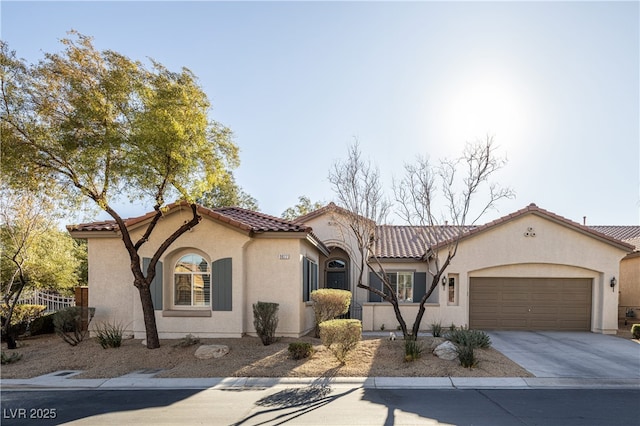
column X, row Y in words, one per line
column 300, row 350
column 412, row 350
column 109, row 335
column 465, row 337
column 436, row 329
column 341, row 336
column 466, row 356
column 635, row 331
column 69, row 323
column 21, row 319
column 43, row 325
column 329, row 303
column 9, row 359
column 265, row 320
column 188, row 340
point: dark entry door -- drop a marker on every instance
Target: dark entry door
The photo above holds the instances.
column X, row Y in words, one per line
column 337, row 280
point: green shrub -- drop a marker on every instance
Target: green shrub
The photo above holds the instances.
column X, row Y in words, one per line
column 341, row 336
column 436, row 329
column 23, row 314
column 465, row 337
column 9, row 359
column 466, row 356
column 412, row 350
column 109, row 335
column 265, row 320
column 635, row 331
column 21, row 319
column 300, row 350
column 329, row 303
column 43, row 325
column 72, row 323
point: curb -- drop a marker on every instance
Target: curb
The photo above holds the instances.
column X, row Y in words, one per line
column 144, row 380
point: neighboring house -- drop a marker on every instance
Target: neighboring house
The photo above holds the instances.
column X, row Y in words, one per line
column 531, row 269
column 629, row 289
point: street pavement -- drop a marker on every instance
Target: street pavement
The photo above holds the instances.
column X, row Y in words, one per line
column 580, row 379
column 562, row 360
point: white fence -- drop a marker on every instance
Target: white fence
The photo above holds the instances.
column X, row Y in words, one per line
column 53, row 301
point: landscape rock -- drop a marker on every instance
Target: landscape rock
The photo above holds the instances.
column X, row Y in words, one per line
column 446, row 350
column 211, row 351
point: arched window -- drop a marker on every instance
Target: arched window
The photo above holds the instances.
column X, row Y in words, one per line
column 192, row 281
column 336, row 264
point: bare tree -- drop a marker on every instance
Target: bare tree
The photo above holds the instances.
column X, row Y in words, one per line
column 359, row 191
column 461, row 181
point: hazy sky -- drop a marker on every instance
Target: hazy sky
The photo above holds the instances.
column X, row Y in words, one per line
column 556, row 84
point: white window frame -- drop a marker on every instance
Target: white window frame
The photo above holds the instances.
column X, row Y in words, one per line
column 201, row 275
column 453, row 286
column 402, row 295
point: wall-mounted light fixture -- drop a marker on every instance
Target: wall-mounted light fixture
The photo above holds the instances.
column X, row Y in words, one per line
column 444, row 281
column 613, row 283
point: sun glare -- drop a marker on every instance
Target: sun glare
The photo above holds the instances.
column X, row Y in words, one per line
column 484, row 106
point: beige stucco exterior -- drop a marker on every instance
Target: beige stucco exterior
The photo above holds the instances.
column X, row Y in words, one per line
column 630, row 285
column 265, row 268
column 268, row 267
column 550, row 249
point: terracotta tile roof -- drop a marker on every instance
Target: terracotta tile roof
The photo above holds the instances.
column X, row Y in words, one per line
column 331, row 207
column 255, row 221
column 629, row 234
column 533, row 209
column 406, row 242
column 246, row 220
column 411, row 242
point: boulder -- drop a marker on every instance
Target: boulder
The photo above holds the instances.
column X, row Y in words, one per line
column 446, row 350
column 211, row 351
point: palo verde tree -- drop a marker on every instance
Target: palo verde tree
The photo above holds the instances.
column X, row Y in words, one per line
column 94, row 124
column 358, row 190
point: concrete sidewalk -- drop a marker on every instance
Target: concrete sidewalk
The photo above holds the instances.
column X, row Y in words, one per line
column 145, row 380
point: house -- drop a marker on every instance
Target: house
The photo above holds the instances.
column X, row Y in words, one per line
column 629, row 302
column 531, row 269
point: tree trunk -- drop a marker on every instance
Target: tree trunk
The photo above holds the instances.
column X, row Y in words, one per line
column 422, row 308
column 401, row 321
column 153, row 342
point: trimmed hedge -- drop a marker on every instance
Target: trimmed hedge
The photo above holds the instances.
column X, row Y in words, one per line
column 329, row 303
column 300, row 350
column 341, row 336
column 635, row 331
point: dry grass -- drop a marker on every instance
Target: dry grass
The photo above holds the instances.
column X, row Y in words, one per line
column 374, row 357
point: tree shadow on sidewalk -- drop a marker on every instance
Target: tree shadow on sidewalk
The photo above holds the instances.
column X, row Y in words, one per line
column 291, row 403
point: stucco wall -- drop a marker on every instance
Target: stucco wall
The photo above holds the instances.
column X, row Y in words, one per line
column 331, row 230
column 554, row 251
column 630, row 285
column 274, row 274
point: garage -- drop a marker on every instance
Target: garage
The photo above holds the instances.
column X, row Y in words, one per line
column 530, row 303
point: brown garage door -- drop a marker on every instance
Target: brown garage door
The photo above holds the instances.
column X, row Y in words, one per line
column 530, row 303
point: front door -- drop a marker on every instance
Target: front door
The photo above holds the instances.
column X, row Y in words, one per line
column 337, row 280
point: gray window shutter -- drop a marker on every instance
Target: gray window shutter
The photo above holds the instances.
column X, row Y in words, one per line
column 221, row 284
column 156, row 284
column 305, row 279
column 376, row 283
column 419, row 286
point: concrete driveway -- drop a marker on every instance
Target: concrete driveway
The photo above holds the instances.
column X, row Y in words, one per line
column 557, row 354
